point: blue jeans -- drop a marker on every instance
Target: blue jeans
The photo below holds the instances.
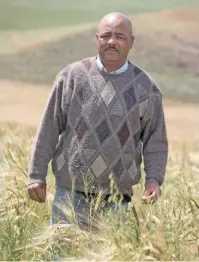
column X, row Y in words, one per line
column 68, row 207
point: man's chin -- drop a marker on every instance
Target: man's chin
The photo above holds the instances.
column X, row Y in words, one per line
column 111, row 58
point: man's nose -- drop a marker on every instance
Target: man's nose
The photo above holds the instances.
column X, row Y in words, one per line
column 112, row 40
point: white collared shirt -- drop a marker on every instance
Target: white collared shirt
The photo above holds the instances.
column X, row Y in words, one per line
column 118, row 71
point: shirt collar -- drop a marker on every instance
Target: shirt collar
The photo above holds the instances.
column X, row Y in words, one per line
column 116, row 72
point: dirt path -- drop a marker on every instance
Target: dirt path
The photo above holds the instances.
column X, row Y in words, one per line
column 24, row 103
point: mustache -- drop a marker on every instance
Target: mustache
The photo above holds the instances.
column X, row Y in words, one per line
column 111, row 48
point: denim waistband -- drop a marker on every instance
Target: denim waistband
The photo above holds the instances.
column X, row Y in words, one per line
column 124, row 197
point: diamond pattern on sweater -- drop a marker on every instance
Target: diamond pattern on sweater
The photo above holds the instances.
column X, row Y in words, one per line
column 84, row 93
column 143, row 107
column 98, row 82
column 74, row 111
column 89, row 154
column 103, row 131
column 127, row 159
column 128, row 148
column 137, row 138
column 117, row 108
column 103, row 181
column 90, row 142
column 108, row 93
column 133, row 170
column 144, row 82
column 115, row 121
column 123, row 134
column 103, row 135
column 76, row 165
column 118, row 169
column 126, row 183
column 81, row 128
column 142, row 93
column 122, row 83
column 129, row 97
column 111, row 150
column 98, row 166
column 134, row 120
column 97, row 113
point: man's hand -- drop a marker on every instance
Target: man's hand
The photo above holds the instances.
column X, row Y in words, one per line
column 37, row 192
column 151, row 193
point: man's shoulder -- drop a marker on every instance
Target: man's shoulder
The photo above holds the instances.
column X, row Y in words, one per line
column 77, row 67
column 145, row 80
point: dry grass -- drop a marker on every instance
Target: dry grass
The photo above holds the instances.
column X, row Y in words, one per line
column 167, row 230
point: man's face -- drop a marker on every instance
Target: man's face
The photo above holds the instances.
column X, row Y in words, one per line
column 114, row 39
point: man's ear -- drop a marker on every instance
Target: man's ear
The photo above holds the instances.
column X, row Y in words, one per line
column 97, row 36
column 132, row 40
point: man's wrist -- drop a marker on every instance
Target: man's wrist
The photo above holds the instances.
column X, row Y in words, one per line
column 152, row 181
column 36, row 179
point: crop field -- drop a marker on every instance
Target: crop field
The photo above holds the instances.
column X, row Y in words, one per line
column 38, row 39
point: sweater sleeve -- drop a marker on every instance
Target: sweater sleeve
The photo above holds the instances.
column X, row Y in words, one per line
column 155, row 143
column 52, row 125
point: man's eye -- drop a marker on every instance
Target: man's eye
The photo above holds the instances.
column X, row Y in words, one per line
column 120, row 37
column 105, row 36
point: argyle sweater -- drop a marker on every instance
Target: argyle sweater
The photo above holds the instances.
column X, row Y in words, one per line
column 96, row 124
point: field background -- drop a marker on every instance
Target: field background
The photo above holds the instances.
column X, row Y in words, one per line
column 38, row 39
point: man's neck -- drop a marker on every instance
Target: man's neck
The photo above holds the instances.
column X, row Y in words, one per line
column 111, row 67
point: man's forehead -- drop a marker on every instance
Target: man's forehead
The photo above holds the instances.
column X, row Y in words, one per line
column 113, row 25
column 111, row 30
column 115, row 21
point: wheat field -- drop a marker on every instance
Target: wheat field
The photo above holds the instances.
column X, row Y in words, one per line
column 166, row 230
column 37, row 39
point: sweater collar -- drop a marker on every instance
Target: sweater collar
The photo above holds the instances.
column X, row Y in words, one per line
column 116, row 72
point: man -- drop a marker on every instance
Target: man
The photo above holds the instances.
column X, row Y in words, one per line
column 103, row 114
